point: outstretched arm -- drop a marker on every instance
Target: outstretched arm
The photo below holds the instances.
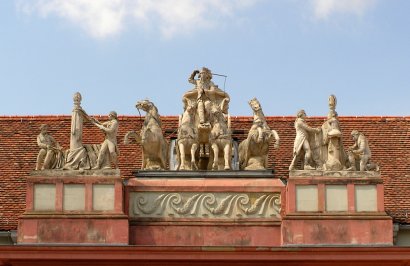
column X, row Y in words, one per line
column 310, row 129
column 192, row 77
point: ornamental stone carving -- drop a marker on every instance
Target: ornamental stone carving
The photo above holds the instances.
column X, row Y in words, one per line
column 253, row 151
column 212, row 205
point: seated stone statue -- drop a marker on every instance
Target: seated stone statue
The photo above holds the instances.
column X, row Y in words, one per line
column 205, row 93
column 253, row 151
column 109, row 148
column 360, row 153
column 50, row 155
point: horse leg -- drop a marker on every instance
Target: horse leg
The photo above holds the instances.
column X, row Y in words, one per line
column 193, row 152
column 227, row 157
column 182, row 156
column 215, row 150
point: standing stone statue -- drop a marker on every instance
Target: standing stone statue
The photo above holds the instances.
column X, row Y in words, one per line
column 253, row 151
column 50, row 155
column 77, row 155
column 109, row 148
column 304, row 135
column 332, row 157
column 360, row 154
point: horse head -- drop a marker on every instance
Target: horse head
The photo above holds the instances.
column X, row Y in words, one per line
column 145, row 105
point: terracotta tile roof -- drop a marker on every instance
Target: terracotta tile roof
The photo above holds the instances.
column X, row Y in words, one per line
column 389, row 139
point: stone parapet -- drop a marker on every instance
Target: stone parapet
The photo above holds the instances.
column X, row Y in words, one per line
column 335, row 208
column 74, row 207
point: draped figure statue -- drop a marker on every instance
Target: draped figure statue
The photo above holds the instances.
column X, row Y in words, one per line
column 77, row 155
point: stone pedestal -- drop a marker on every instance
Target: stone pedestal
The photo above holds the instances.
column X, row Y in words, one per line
column 335, row 208
column 215, row 208
column 74, row 207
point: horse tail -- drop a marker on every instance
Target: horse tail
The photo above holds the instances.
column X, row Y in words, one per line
column 277, row 139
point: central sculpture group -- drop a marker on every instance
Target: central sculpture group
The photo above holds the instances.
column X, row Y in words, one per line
column 204, row 140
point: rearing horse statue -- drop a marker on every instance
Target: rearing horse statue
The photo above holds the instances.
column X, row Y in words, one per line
column 253, row 151
column 220, row 139
column 154, row 145
column 187, row 141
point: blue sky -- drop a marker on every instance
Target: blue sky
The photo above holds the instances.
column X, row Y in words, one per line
column 290, row 54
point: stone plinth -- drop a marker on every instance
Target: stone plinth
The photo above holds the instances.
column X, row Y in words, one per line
column 218, row 208
column 74, row 207
column 335, row 208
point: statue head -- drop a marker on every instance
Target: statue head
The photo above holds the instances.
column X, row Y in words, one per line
column 301, row 114
column 77, row 98
column 255, row 105
column 205, row 74
column 112, row 115
column 355, row 134
column 145, row 105
column 44, row 128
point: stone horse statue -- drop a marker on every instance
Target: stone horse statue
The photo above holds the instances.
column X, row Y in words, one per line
column 253, row 151
column 154, row 145
column 187, row 141
column 220, row 138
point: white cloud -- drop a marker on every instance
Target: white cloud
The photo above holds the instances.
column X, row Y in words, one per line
column 323, row 9
column 105, row 18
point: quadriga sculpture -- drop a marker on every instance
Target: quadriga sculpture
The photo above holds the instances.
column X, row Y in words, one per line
column 154, row 145
column 220, row 138
column 253, row 151
column 187, row 141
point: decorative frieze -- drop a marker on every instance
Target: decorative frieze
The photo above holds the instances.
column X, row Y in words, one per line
column 211, row 205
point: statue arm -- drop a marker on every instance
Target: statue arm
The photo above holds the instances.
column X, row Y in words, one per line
column 85, row 115
column 109, row 127
column 191, row 78
column 40, row 144
column 361, row 145
column 55, row 143
column 308, row 128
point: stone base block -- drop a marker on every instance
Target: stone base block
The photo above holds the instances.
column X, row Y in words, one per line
column 218, row 208
column 205, row 235
column 80, row 230
column 370, row 231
